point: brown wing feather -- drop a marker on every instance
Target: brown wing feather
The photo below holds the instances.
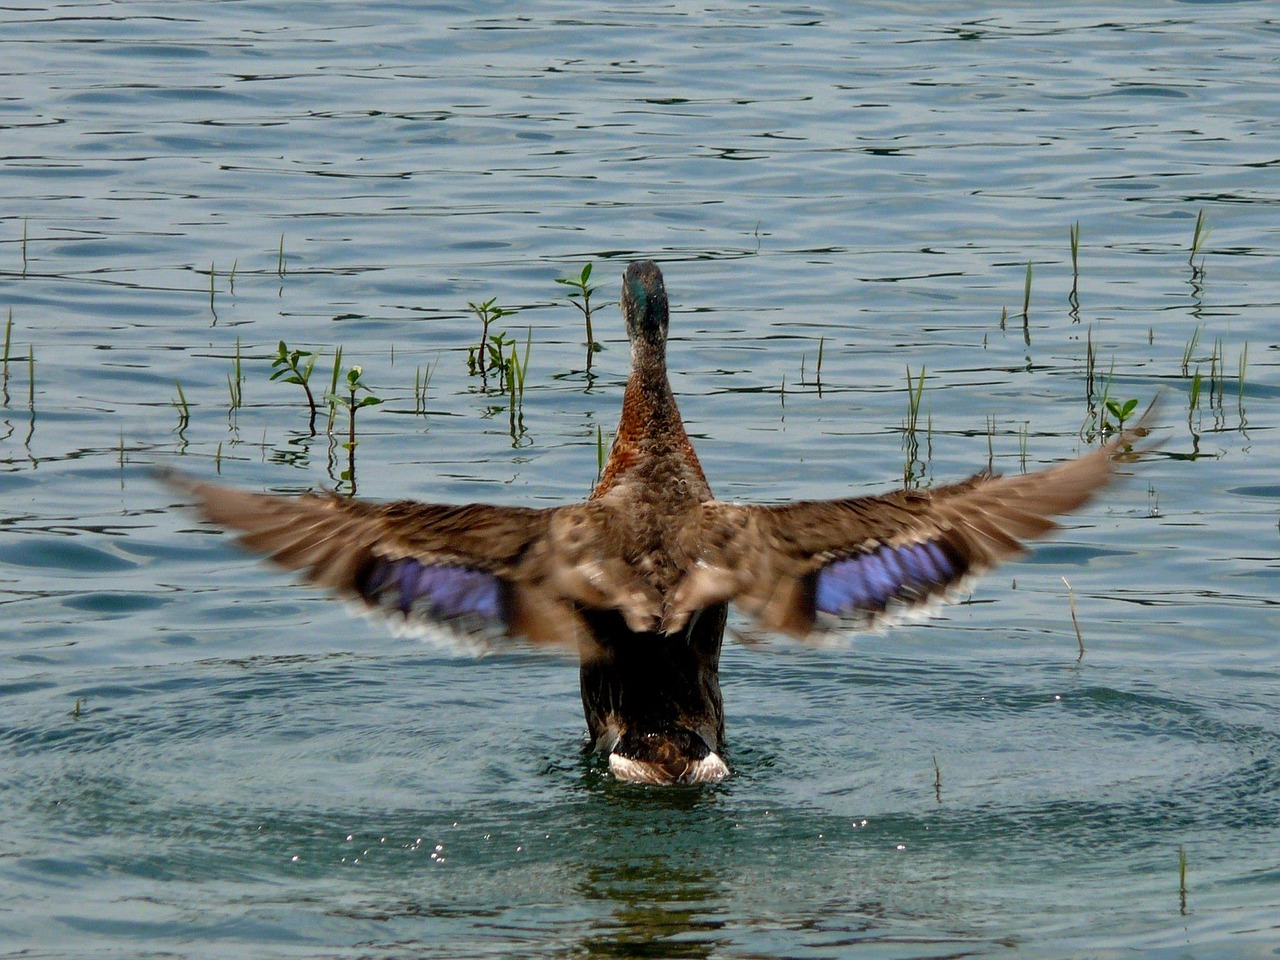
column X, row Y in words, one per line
column 549, row 562
column 768, row 559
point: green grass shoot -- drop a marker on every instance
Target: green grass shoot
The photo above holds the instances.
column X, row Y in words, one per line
column 421, row 381
column 211, row 309
column 1193, row 399
column 331, row 395
column 183, row 408
column 600, row 454
column 822, row 342
column 235, row 382
column 1189, row 350
column 1026, row 294
column 1182, row 878
column 1240, row 378
column 1075, row 621
column 8, row 338
column 914, row 395
column 231, row 277
column 1074, row 234
column 1198, row 239
column 280, row 259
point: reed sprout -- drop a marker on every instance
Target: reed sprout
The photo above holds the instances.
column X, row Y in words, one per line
column 1026, row 295
column 280, row 259
column 24, row 246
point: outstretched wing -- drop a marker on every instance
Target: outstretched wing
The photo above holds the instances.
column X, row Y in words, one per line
column 867, row 560
column 483, row 571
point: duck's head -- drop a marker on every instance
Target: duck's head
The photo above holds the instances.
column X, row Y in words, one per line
column 644, row 304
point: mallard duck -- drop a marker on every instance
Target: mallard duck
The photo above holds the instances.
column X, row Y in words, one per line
column 638, row 579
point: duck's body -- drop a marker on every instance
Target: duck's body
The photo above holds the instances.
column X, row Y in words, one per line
column 639, row 577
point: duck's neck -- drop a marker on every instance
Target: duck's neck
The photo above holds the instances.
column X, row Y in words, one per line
column 651, row 443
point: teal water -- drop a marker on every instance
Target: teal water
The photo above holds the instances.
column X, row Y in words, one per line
column 199, row 758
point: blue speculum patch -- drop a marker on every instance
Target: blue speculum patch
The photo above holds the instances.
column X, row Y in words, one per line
column 438, row 592
column 870, row 580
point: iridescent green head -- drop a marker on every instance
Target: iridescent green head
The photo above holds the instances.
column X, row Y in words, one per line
column 644, row 303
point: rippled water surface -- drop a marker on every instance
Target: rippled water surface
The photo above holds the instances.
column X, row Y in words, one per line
column 200, row 758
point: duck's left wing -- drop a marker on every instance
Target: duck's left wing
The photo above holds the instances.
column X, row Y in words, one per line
column 482, row 571
column 866, row 560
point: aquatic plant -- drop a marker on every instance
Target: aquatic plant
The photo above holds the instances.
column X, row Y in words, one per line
column 295, row 366
column 332, row 392
column 489, row 353
column 1073, row 234
column 211, row 308
column 1121, row 411
column 235, row 384
column 1190, row 348
column 183, row 408
column 421, row 381
column 1240, row 377
column 600, row 454
column 280, row 259
column 24, row 246
column 514, row 371
column 581, row 298
column 1198, row 238
column 913, row 468
column 1026, row 295
column 1075, row 621
column 8, row 337
column 1182, row 878
column 350, row 399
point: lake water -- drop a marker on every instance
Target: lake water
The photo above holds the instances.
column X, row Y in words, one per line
column 200, row 758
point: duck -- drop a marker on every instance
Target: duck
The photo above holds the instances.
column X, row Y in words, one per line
column 637, row 580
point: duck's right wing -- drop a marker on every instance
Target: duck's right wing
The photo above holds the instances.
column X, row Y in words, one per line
column 482, row 571
column 799, row 568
